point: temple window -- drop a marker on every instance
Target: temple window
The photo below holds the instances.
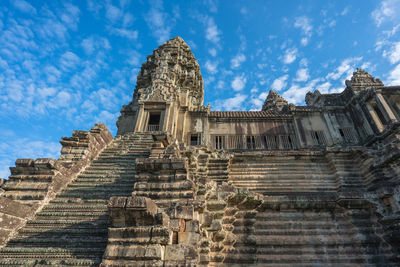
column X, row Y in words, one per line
column 318, row 138
column 271, row 142
column 218, row 141
column 195, row 139
column 251, row 143
column 154, row 122
column 348, row 135
column 286, row 142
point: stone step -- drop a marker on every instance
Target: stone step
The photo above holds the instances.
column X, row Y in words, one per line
column 165, row 195
column 40, row 262
column 54, row 241
column 61, row 233
column 162, row 186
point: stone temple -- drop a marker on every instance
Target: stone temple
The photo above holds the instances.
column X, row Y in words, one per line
column 181, row 185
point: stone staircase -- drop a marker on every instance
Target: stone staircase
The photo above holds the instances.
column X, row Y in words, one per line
column 218, row 169
column 72, row 228
column 282, row 174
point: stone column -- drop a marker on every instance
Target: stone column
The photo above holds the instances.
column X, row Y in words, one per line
column 385, row 108
column 167, row 115
column 140, row 118
column 332, row 126
column 375, row 117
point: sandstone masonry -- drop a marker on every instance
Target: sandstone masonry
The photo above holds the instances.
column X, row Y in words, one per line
column 181, row 185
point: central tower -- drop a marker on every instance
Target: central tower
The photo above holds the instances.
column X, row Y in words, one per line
column 169, row 85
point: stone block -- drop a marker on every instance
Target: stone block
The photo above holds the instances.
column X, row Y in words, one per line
column 180, row 252
column 216, row 205
column 216, row 225
column 189, row 238
column 24, row 163
column 192, row 226
column 184, row 212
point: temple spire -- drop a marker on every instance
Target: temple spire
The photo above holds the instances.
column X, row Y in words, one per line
column 274, row 101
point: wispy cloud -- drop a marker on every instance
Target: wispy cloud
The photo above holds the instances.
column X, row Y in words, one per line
column 239, row 82
column 211, row 66
column 212, row 31
column 345, row 69
column 388, row 10
column 394, row 76
column 237, row 60
column 279, row 83
column 289, row 56
column 393, row 55
column 302, row 75
column 24, row 6
column 304, row 23
column 160, row 22
column 232, row 103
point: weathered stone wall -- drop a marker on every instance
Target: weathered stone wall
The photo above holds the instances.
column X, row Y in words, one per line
column 33, row 183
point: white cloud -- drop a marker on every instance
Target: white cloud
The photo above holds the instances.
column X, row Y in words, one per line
column 258, row 101
column 345, row 11
column 113, row 13
column 394, row 76
column 212, row 66
column 159, row 22
column 92, row 43
column 296, row 94
column 132, row 57
column 233, row 103
column 212, row 32
column 302, row 75
column 346, row 68
column 68, row 61
column 237, row 60
column 304, row 23
column 280, row 83
column 211, row 5
column 107, row 117
column 130, row 34
column 388, row 10
column 239, row 82
column 290, row 55
column 212, row 51
column 394, row 54
column 24, row 6
column 88, row 45
column 324, row 88
column 70, row 17
column 62, row 99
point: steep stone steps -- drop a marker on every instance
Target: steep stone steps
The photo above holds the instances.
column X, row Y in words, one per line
column 274, row 174
column 72, row 229
column 218, row 169
column 309, row 237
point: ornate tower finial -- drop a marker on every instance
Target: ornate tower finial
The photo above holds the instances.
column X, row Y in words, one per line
column 274, row 102
column 171, row 69
column 362, row 80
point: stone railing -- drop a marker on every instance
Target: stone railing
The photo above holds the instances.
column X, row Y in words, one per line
column 33, row 183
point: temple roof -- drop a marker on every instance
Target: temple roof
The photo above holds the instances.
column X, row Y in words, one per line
column 245, row 114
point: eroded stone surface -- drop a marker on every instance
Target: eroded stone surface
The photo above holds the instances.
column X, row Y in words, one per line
column 181, row 185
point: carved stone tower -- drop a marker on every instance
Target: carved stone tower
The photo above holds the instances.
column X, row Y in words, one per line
column 274, row 102
column 168, row 85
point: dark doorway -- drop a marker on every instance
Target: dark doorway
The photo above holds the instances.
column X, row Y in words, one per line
column 154, row 122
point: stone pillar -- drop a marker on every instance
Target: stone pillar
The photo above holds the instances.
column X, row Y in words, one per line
column 166, row 117
column 140, row 118
column 336, row 138
column 375, row 117
column 385, row 108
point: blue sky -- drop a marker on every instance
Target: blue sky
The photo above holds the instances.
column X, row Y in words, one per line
column 66, row 65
